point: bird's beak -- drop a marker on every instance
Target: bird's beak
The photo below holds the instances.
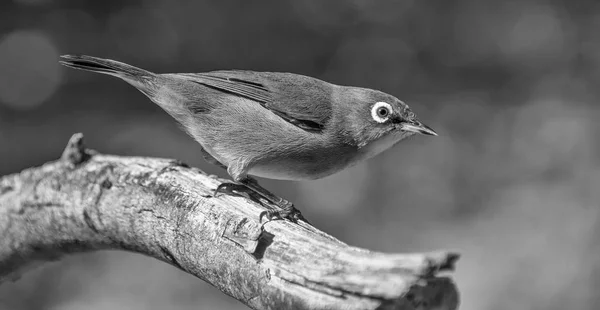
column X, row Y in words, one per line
column 417, row 127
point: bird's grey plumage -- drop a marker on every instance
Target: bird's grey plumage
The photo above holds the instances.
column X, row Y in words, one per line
column 272, row 90
column 270, row 124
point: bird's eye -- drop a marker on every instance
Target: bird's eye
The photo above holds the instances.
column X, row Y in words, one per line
column 381, row 111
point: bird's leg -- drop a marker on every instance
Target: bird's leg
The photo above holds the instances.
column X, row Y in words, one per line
column 229, row 188
column 249, row 186
column 210, row 159
column 286, row 208
column 254, row 191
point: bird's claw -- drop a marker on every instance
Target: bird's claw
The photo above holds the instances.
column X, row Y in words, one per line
column 286, row 212
column 284, row 209
column 233, row 189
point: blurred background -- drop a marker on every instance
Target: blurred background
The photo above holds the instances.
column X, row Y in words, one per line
column 512, row 182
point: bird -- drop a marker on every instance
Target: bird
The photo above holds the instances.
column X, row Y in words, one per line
column 274, row 125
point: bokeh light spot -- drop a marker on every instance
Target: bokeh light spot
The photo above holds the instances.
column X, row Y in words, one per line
column 30, row 69
column 537, row 32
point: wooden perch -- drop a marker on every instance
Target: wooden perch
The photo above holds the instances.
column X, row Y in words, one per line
column 162, row 208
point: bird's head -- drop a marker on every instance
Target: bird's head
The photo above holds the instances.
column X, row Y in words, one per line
column 376, row 121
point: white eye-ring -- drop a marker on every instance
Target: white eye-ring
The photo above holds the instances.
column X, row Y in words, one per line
column 381, row 111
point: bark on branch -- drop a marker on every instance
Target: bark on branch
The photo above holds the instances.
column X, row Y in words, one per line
column 162, row 208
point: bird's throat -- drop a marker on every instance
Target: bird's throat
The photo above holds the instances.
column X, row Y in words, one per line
column 377, row 146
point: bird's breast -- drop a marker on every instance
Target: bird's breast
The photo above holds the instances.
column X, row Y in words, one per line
column 293, row 172
column 309, row 166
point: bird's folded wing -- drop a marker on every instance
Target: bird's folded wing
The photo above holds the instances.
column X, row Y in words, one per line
column 253, row 91
column 306, row 114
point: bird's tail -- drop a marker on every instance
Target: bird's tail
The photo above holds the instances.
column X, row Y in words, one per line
column 144, row 81
column 105, row 66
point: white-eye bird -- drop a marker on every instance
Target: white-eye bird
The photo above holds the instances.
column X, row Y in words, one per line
column 274, row 125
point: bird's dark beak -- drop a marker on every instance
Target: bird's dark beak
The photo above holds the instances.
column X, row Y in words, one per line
column 417, row 127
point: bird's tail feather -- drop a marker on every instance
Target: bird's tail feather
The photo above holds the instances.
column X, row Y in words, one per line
column 144, row 81
column 105, row 66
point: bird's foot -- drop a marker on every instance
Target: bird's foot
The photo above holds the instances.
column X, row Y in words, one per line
column 232, row 189
column 279, row 208
column 237, row 189
column 229, row 189
column 286, row 210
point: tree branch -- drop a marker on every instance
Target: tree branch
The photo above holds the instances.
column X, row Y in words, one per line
column 162, row 208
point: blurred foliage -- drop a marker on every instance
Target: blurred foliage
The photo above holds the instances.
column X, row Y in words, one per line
column 513, row 181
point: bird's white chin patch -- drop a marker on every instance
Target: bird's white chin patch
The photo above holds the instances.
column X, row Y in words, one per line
column 382, row 144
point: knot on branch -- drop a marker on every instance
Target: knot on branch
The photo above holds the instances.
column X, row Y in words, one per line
column 75, row 152
column 244, row 232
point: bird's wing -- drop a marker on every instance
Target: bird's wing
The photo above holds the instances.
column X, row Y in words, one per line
column 302, row 101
